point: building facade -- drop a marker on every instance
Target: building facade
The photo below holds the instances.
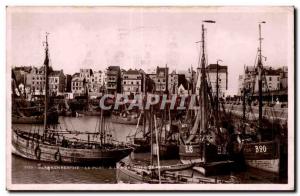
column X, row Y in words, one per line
column 36, row 80
column 160, row 79
column 211, row 72
column 113, row 80
column 96, row 83
column 173, row 83
column 77, row 85
column 272, row 80
column 132, row 81
column 56, row 82
column 68, row 83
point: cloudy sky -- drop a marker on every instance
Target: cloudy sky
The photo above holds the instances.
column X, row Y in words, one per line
column 147, row 37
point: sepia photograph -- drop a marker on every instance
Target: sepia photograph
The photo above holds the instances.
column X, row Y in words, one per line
column 197, row 98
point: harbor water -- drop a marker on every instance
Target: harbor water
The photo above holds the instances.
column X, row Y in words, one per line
column 27, row 172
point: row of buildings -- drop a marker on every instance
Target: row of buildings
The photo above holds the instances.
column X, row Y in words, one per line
column 114, row 80
column 274, row 81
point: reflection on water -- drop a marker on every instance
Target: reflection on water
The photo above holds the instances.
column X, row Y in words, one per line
column 26, row 171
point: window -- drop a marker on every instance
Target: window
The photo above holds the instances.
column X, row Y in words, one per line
column 124, row 82
column 270, row 78
column 164, row 80
column 131, row 82
column 137, row 83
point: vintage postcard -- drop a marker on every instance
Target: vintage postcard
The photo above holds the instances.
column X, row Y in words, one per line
column 134, row 98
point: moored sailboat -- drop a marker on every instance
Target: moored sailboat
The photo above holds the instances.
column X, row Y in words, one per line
column 55, row 146
column 206, row 143
column 266, row 149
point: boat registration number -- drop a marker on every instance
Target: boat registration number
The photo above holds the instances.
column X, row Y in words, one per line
column 189, row 149
column 260, row 148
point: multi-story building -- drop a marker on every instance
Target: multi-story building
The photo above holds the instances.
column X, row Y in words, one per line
column 68, row 83
column 160, row 79
column 77, row 85
column 113, row 80
column 284, row 78
column 86, row 75
column 56, row 83
column 36, row 80
column 272, row 79
column 173, row 82
column 211, row 73
column 132, row 81
column 96, row 83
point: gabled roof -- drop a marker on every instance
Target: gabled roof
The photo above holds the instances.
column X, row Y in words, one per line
column 75, row 75
column 132, row 71
column 117, row 68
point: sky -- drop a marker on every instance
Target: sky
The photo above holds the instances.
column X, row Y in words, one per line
column 97, row 37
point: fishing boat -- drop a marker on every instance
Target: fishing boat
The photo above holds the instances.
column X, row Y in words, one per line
column 141, row 138
column 265, row 148
column 206, row 142
column 52, row 118
column 27, row 112
column 152, row 174
column 168, row 138
column 62, row 147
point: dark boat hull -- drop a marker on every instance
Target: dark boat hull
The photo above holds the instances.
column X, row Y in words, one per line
column 206, row 157
column 167, row 151
column 142, row 145
column 38, row 151
column 263, row 155
column 39, row 119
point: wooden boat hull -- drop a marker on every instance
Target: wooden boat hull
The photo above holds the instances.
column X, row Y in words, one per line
column 167, row 151
column 125, row 175
column 33, row 150
column 214, row 168
column 128, row 174
column 52, row 119
column 263, row 155
column 142, row 145
column 207, row 158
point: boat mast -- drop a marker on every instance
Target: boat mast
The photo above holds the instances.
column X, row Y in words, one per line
column 144, row 105
column 157, row 149
column 244, row 99
column 203, row 88
column 46, row 69
column 101, row 128
column 151, row 134
column 217, row 95
column 260, row 69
